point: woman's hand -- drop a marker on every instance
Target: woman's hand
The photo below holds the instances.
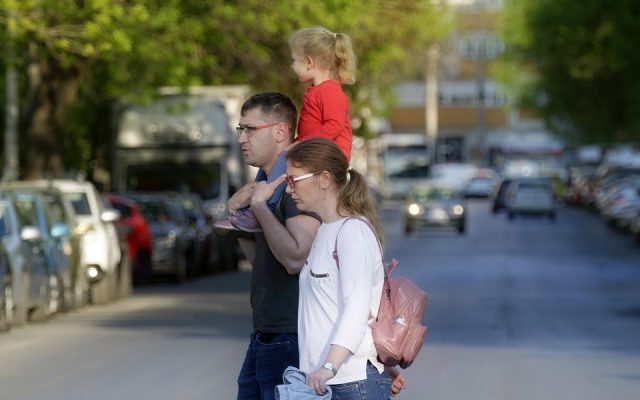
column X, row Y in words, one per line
column 317, row 380
column 397, row 380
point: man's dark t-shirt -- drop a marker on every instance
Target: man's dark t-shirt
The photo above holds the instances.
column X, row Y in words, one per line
column 274, row 293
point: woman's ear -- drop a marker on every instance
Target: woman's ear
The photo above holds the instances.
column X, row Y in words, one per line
column 325, row 179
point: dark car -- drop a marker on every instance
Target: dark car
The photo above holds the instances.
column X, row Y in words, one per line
column 431, row 205
column 169, row 232
column 500, row 195
column 135, row 229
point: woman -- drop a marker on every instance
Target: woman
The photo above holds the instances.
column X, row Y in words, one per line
column 335, row 342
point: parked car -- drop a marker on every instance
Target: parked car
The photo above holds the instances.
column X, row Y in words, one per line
column 136, row 230
column 500, row 195
column 29, row 268
column 635, row 227
column 100, row 242
column 531, row 196
column 167, row 223
column 6, row 292
column 430, row 205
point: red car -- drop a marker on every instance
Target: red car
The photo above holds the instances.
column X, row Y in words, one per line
column 136, row 230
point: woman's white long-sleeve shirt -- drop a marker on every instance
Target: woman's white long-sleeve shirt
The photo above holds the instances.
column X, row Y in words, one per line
column 335, row 304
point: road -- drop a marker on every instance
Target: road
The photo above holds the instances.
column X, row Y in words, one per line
column 528, row 309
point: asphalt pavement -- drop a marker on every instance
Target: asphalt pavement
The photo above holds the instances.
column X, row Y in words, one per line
column 528, row 309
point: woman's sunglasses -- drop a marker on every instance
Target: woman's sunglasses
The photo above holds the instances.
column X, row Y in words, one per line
column 291, row 181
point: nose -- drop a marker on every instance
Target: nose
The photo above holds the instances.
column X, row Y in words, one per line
column 242, row 138
column 288, row 188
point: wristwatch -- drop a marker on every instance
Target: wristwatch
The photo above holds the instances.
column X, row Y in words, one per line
column 330, row 367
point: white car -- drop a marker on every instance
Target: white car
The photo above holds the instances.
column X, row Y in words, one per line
column 531, row 196
column 101, row 253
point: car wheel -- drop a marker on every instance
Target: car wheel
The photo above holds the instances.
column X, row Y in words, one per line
column 100, row 291
column 461, row 229
column 552, row 216
column 6, row 305
column 181, row 268
column 42, row 311
column 512, row 216
column 408, row 229
column 21, row 306
column 125, row 279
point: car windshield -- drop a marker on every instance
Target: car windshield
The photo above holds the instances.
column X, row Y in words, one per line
column 534, row 187
column 406, row 162
column 425, row 194
column 80, row 203
column 203, row 179
column 154, row 210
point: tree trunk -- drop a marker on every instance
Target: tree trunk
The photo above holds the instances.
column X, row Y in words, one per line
column 54, row 89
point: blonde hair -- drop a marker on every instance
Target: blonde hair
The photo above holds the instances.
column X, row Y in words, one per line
column 354, row 197
column 333, row 51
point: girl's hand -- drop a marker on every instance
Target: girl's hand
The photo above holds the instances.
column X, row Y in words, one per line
column 317, row 380
column 263, row 191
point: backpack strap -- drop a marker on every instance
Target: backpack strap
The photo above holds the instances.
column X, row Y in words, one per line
column 387, row 268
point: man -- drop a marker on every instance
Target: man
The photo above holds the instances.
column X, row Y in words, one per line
column 267, row 126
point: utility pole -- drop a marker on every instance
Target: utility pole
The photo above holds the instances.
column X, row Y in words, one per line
column 480, row 109
column 431, row 102
column 11, row 111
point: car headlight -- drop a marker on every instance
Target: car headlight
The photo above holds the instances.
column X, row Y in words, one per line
column 457, row 209
column 414, row 209
column 167, row 241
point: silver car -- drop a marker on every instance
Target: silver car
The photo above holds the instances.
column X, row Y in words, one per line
column 22, row 240
column 531, row 196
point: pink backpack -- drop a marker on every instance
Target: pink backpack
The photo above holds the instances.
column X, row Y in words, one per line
column 398, row 332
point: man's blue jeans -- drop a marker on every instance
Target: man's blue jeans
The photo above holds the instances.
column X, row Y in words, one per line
column 268, row 355
column 377, row 386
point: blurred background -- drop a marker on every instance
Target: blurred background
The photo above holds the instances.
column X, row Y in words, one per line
column 501, row 139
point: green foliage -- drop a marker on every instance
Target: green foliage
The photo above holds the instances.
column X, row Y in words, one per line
column 576, row 62
column 125, row 49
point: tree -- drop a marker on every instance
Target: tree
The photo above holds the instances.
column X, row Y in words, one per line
column 576, row 62
column 82, row 54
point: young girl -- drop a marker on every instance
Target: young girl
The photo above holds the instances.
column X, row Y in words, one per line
column 325, row 60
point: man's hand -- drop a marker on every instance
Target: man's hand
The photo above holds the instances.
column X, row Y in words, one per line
column 397, row 380
column 263, row 191
column 241, row 198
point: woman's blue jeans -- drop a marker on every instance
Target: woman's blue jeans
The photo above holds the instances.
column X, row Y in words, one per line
column 268, row 355
column 377, row 386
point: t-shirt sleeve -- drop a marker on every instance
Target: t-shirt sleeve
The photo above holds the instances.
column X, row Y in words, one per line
column 359, row 253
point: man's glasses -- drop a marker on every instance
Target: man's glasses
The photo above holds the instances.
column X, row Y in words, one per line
column 291, row 181
column 250, row 130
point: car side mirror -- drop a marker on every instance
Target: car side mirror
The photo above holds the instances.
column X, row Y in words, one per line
column 60, row 230
column 30, row 233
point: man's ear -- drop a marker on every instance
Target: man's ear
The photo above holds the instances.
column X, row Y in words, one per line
column 282, row 132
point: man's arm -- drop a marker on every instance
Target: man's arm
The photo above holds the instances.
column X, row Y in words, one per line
column 248, row 247
column 289, row 243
